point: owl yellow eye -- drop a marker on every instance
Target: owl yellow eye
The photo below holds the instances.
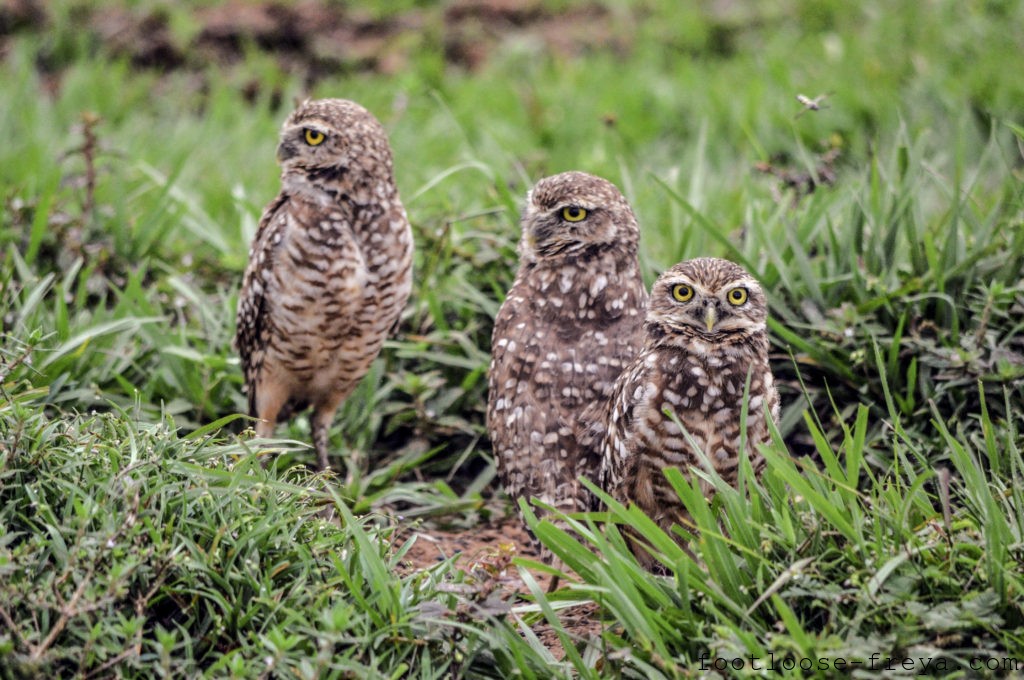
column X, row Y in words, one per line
column 314, row 137
column 682, row 292
column 574, row 213
column 737, row 296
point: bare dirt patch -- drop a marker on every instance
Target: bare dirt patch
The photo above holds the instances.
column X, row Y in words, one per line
column 484, row 552
column 474, row 27
column 312, row 39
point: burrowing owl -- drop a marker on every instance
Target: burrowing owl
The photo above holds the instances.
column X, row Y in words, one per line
column 704, row 333
column 569, row 324
column 330, row 268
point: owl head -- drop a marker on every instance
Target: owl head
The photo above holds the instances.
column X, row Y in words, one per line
column 568, row 214
column 328, row 143
column 706, row 299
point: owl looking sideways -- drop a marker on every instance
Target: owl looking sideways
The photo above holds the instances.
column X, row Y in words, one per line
column 568, row 325
column 330, row 268
column 704, row 334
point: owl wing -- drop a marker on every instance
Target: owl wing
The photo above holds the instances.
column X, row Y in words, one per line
column 591, row 430
column 762, row 383
column 512, row 408
column 533, row 442
column 591, row 427
column 253, row 322
column 616, row 426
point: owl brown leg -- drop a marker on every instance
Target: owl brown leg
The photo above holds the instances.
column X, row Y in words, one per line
column 321, row 427
column 323, row 416
column 270, row 398
column 265, row 428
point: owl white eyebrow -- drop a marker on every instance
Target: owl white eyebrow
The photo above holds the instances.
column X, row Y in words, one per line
column 697, row 288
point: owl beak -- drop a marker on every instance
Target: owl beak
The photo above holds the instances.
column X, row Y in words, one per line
column 284, row 152
column 710, row 317
column 537, row 233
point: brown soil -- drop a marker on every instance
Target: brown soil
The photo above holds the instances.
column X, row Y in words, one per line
column 315, row 38
column 485, row 552
column 483, row 542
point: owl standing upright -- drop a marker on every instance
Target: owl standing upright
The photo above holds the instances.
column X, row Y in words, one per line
column 568, row 325
column 330, row 268
column 704, row 334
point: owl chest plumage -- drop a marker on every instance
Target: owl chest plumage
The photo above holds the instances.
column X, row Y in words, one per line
column 571, row 332
column 334, row 289
column 703, row 388
column 592, row 326
column 561, row 338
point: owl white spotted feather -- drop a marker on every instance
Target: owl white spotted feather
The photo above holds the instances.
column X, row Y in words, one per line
column 568, row 325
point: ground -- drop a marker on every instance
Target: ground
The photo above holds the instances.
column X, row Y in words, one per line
column 485, row 552
column 312, row 38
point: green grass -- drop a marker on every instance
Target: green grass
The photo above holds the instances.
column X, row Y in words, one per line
column 140, row 534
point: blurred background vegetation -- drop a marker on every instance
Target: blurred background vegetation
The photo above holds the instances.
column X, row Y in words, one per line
column 138, row 154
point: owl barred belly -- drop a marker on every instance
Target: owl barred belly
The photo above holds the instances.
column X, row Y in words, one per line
column 327, row 342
